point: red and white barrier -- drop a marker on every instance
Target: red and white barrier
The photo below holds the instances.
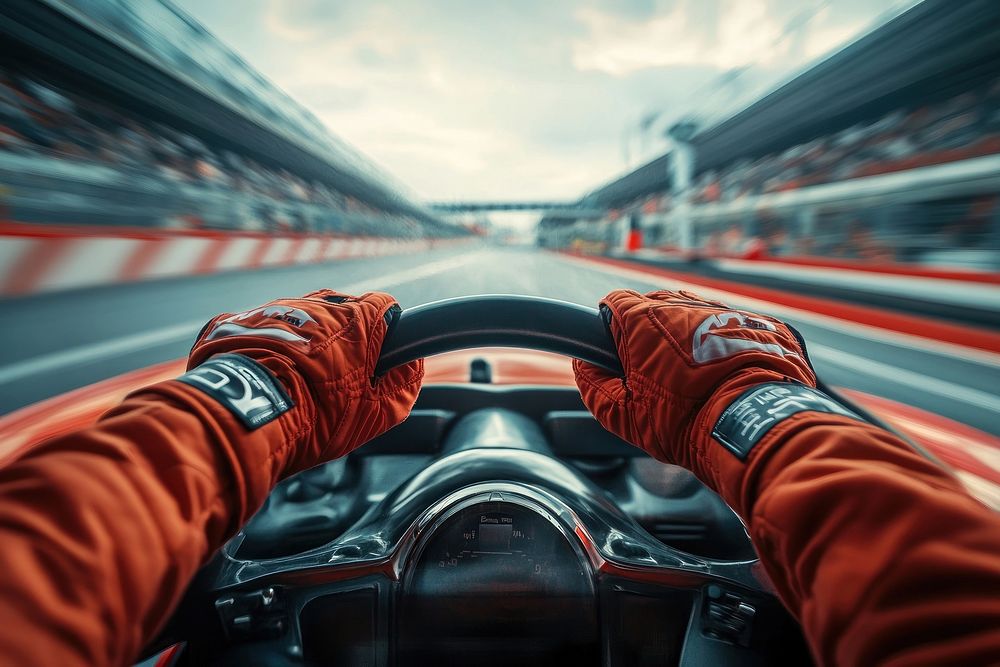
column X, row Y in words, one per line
column 37, row 258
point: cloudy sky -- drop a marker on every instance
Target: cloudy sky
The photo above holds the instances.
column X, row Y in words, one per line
column 524, row 98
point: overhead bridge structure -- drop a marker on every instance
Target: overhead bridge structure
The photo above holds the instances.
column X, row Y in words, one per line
column 573, row 209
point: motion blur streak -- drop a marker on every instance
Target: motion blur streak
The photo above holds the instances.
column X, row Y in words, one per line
column 861, row 329
column 942, row 388
column 115, row 347
column 150, row 178
column 39, row 327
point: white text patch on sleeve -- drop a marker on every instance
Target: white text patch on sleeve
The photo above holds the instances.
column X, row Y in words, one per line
column 761, row 408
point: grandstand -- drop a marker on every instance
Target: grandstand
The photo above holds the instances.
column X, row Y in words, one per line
column 887, row 151
column 125, row 113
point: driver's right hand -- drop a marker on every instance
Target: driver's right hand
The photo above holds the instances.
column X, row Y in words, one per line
column 686, row 360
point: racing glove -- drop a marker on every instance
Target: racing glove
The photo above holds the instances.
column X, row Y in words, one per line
column 104, row 527
column 703, row 384
column 880, row 553
column 307, row 364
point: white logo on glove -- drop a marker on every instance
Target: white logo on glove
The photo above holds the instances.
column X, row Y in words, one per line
column 709, row 345
column 294, row 316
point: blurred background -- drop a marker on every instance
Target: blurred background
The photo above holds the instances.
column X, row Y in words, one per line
column 834, row 163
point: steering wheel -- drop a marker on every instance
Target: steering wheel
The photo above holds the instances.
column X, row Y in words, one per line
column 537, row 323
column 257, row 597
column 499, row 320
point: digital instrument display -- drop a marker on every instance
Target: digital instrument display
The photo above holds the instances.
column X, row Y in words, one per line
column 501, row 548
column 498, row 580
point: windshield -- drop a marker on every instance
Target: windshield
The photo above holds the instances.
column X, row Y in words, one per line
column 833, row 163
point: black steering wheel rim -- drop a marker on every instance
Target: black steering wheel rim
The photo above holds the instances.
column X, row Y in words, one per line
column 535, row 323
column 499, row 320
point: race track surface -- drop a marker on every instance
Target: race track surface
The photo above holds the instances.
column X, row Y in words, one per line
column 50, row 344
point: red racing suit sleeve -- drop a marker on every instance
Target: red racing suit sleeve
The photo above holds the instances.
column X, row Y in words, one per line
column 102, row 529
column 881, row 554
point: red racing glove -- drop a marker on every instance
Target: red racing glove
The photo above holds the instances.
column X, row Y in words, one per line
column 880, row 553
column 704, row 383
column 104, row 527
column 307, row 364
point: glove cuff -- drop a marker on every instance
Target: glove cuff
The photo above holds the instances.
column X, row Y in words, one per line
column 263, row 393
column 747, row 419
column 241, row 385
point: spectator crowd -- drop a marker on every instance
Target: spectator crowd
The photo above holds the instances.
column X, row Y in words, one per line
column 950, row 230
column 963, row 127
column 42, row 119
column 954, row 231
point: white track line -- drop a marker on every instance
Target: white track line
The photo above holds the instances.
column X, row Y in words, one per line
column 900, row 376
column 98, row 351
column 109, row 349
column 867, row 331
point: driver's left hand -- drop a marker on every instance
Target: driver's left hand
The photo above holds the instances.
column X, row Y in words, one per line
column 322, row 350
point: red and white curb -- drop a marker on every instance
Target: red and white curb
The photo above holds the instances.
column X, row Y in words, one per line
column 36, row 259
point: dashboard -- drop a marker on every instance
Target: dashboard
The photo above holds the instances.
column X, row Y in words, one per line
column 504, row 580
column 497, row 525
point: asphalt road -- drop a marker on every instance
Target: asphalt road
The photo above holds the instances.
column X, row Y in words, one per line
column 50, row 344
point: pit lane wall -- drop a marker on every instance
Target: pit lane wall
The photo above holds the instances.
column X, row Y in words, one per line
column 36, row 259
